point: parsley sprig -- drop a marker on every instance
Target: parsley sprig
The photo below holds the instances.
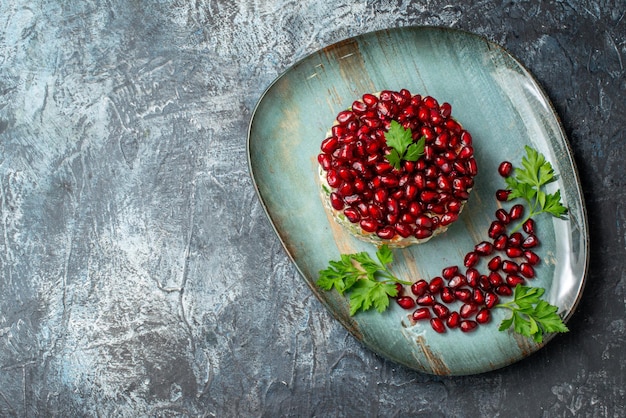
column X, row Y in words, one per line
column 528, row 181
column 369, row 282
column 402, row 145
column 531, row 316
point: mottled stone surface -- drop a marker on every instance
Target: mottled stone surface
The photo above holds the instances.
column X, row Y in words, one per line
column 139, row 275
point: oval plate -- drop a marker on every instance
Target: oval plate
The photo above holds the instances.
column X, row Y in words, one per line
column 504, row 108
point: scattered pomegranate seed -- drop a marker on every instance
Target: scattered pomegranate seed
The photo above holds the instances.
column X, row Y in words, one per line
column 468, row 310
column 503, row 195
column 504, row 290
column 527, row 270
column 406, row 302
column 505, row 169
column 514, row 252
column 509, row 267
column 517, row 211
column 491, row 299
column 436, row 285
column 464, row 295
column 441, row 310
column 533, row 258
column 449, row 272
column 495, row 263
column 426, row 300
column 471, row 259
column 454, row 319
column 530, row 242
column 447, row 295
column 484, row 248
column 503, row 216
column 438, row 325
column 483, row 316
column 421, row 313
column 529, row 226
column 419, row 287
column 468, row 325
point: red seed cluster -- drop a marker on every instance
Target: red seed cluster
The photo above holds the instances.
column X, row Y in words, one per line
column 419, row 197
column 509, row 260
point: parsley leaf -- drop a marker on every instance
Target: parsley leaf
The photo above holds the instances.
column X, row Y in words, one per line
column 402, row 145
column 531, row 316
column 528, row 181
column 369, row 282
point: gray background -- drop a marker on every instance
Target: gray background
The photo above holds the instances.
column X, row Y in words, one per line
column 139, row 275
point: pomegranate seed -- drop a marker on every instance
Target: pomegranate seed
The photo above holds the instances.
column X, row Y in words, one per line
column 466, row 138
column 471, row 276
column 483, row 282
column 352, row 214
column 424, row 222
column 329, row 145
column 441, row 310
column 505, row 169
column 514, row 252
column 484, row 248
column 438, row 325
column 447, row 295
column 368, row 225
column 495, row 263
column 386, row 232
column 436, row 285
column 502, row 195
column 529, row 226
column 449, row 272
column 464, row 295
column 370, row 100
column 491, row 299
column 421, row 233
column 426, row 300
column 421, row 313
column 513, row 280
column 448, row 218
column 336, row 201
column 454, row 319
column 530, row 242
column 468, row 325
column 468, row 310
column 495, row 279
column 333, row 178
column 501, row 242
column 457, row 281
column 497, row 228
column 483, row 316
column 504, row 290
column 503, row 216
column 406, row 302
column 509, row 267
column 515, row 239
column 471, row 259
column 478, row 296
column 419, row 288
column 445, row 109
column 531, row 257
column 527, row 270
column 517, row 211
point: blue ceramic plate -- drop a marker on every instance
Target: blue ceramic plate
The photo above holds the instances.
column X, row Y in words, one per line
column 504, row 108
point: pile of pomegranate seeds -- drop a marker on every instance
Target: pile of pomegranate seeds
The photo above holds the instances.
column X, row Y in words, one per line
column 420, row 198
column 509, row 260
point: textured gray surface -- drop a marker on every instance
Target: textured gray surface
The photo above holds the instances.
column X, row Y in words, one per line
column 138, row 273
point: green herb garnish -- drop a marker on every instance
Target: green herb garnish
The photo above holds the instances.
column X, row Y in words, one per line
column 402, row 145
column 528, row 181
column 369, row 282
column 531, row 315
